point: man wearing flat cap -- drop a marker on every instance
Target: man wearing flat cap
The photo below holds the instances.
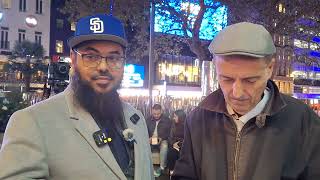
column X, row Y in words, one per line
column 247, row 129
column 85, row 132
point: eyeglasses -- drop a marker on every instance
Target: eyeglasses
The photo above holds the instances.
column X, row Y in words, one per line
column 114, row 61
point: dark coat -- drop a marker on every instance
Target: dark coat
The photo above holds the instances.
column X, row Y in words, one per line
column 176, row 134
column 164, row 127
column 280, row 143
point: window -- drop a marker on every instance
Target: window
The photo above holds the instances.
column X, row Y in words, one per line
column 4, row 43
column 300, row 44
column 22, row 35
column 287, row 40
column 37, row 37
column 59, row 23
column 38, row 6
column 73, row 26
column 281, row 8
column 280, row 40
column 314, row 46
column 6, row 4
column 22, row 5
column 59, row 46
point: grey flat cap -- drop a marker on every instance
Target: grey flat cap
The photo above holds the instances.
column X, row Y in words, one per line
column 243, row 39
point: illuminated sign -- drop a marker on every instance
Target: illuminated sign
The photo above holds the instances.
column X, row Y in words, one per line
column 133, row 76
column 214, row 19
column 315, row 53
column 306, row 96
column 316, row 39
column 31, row 21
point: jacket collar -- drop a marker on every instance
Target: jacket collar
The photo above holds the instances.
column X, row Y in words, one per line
column 215, row 102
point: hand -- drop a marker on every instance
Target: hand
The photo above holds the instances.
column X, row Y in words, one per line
column 176, row 146
column 154, row 141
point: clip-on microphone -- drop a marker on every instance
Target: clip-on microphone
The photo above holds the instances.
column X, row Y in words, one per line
column 101, row 138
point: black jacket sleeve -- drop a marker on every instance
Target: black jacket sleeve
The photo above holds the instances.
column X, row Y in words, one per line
column 312, row 147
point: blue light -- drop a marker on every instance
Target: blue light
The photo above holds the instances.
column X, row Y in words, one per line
column 316, row 39
column 133, row 76
column 304, row 68
column 214, row 20
column 299, row 51
column 306, row 96
column 314, row 53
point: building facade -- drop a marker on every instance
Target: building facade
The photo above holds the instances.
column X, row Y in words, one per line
column 22, row 20
column 61, row 30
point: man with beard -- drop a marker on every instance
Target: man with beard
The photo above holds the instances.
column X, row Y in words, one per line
column 86, row 132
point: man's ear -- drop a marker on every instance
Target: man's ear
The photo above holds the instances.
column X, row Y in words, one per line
column 73, row 57
column 271, row 69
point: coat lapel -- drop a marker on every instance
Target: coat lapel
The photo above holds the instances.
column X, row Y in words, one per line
column 85, row 125
column 141, row 145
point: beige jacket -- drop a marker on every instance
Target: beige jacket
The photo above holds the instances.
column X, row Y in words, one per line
column 53, row 140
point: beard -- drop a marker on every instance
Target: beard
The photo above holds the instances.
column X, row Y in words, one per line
column 105, row 108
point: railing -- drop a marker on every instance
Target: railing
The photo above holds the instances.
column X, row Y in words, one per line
column 15, row 78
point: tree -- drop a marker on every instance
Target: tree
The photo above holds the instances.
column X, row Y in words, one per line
column 192, row 16
column 196, row 21
column 21, row 60
column 9, row 104
column 135, row 15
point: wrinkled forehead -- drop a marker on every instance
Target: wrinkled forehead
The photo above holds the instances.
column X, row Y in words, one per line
column 234, row 66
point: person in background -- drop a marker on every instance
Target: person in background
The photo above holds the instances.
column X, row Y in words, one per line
column 176, row 138
column 159, row 127
column 247, row 129
column 85, row 132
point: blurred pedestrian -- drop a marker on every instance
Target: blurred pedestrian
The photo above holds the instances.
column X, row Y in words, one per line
column 176, row 138
column 159, row 127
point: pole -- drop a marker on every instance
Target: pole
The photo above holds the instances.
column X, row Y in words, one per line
column 151, row 52
column 111, row 7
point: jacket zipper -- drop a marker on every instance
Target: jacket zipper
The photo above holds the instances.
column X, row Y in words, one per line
column 236, row 156
column 237, row 149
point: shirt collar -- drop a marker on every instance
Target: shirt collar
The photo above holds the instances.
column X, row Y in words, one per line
column 253, row 112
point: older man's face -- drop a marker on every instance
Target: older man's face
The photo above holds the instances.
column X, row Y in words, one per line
column 242, row 80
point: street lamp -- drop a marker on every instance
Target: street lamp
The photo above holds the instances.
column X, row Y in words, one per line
column 31, row 21
column 151, row 52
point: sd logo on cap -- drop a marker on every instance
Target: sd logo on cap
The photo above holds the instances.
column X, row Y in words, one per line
column 98, row 27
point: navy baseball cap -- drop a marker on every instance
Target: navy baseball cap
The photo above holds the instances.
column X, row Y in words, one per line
column 98, row 27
